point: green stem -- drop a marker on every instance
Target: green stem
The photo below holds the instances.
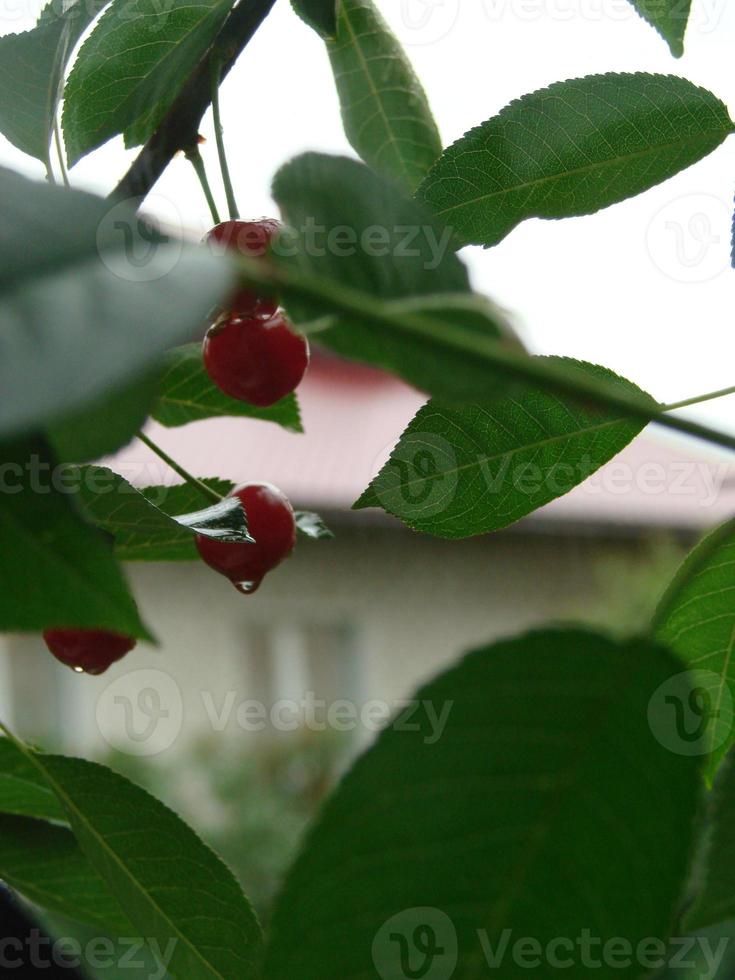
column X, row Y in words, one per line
column 195, row 159
column 698, row 399
column 206, row 491
column 219, row 138
column 535, row 369
column 60, row 153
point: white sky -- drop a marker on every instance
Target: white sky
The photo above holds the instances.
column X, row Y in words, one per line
column 644, row 287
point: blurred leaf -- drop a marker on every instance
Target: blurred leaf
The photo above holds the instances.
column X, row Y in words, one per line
column 89, row 295
column 319, row 14
column 385, row 111
column 312, row 526
column 31, row 73
column 572, row 149
column 696, row 619
column 171, row 886
column 107, row 425
column 23, row 790
column 189, row 394
column 530, row 810
column 131, row 68
column 414, row 268
column 669, row 17
column 716, row 901
column 144, row 530
column 464, row 470
column 57, row 570
column 43, row 862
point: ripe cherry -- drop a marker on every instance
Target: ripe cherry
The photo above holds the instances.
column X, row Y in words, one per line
column 255, row 360
column 88, row 651
column 251, row 239
column 270, row 521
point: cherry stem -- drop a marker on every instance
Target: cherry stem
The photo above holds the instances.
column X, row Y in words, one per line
column 60, row 153
column 219, row 139
column 211, row 495
column 195, row 159
column 698, row 399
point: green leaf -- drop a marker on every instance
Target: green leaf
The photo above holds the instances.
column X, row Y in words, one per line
column 23, row 790
column 669, row 17
column 43, row 862
column 397, row 254
column 142, row 521
column 464, row 470
column 527, row 807
column 107, row 425
column 312, row 526
column 715, row 902
column 188, row 394
column 572, row 149
column 319, row 14
column 169, row 884
column 31, row 73
column 89, row 296
column 696, row 619
column 385, row 111
column 57, row 569
column 132, row 67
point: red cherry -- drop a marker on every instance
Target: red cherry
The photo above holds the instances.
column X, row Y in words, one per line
column 90, row 651
column 270, row 521
column 251, row 239
column 253, row 360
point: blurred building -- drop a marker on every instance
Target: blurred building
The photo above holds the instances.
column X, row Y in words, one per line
column 363, row 619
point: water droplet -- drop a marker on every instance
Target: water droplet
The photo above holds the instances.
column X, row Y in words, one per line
column 78, row 670
column 247, row 588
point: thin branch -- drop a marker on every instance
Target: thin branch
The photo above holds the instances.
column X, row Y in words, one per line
column 179, row 129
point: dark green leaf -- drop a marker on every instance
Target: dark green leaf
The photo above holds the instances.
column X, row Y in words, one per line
column 57, row 570
column 529, row 809
column 132, row 67
column 312, row 526
column 89, row 296
column 572, row 149
column 142, row 521
column 168, row 883
column 716, row 901
column 696, row 619
column 464, row 470
column 23, row 790
column 669, row 17
column 188, row 394
column 107, row 425
column 319, row 14
column 414, row 268
column 31, row 72
column 384, row 108
column 43, row 862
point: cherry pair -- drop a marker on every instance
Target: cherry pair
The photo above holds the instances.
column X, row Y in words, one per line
column 250, row 352
column 271, row 523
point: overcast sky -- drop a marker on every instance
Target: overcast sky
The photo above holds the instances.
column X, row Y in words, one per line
column 644, row 287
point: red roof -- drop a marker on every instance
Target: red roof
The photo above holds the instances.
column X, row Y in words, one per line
column 352, row 416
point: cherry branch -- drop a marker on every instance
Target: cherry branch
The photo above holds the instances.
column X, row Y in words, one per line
column 179, row 130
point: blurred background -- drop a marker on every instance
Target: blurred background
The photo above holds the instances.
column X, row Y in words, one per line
column 250, row 708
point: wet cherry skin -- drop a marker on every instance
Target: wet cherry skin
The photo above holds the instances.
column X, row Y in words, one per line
column 90, row 651
column 255, row 360
column 270, row 522
column 252, row 240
